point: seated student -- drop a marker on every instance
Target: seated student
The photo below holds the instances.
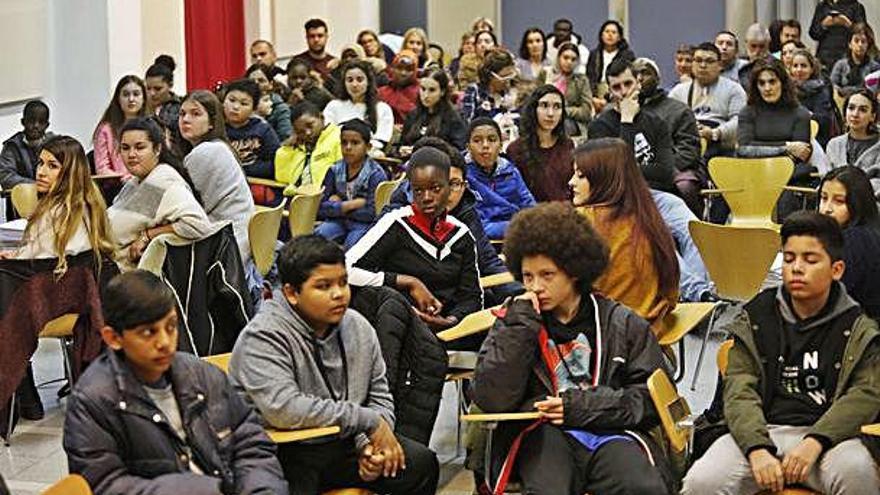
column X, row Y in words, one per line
column 306, row 360
column 70, row 218
column 129, row 101
column 271, row 92
column 144, row 418
column 348, row 206
column 860, row 146
column 402, row 91
column 643, row 270
column 542, row 153
column 304, row 87
column 158, row 199
column 357, row 98
column 312, row 149
column 252, row 137
column 434, row 115
column 495, row 181
column 462, row 205
column 421, row 250
column 848, row 74
column 578, row 358
column 801, row 379
column 846, row 195
column 20, row 154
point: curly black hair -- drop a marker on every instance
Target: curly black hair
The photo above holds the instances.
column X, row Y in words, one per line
column 557, row 231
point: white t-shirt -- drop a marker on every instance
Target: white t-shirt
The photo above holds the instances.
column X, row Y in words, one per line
column 607, row 58
column 341, row 111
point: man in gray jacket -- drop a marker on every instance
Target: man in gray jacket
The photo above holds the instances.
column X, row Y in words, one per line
column 306, row 360
column 18, row 159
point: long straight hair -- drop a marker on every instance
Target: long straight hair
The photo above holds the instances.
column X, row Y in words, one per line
column 860, row 200
column 73, row 198
column 616, row 183
column 113, row 115
column 528, row 130
column 371, row 98
column 432, row 121
column 217, row 129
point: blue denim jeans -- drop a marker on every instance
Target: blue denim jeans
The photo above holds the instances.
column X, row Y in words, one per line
column 345, row 232
column 694, row 280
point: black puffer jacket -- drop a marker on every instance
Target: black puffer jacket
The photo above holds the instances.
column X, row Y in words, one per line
column 415, row 360
column 816, row 95
column 116, row 437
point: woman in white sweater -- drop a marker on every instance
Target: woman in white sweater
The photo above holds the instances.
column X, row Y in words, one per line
column 357, row 98
column 157, row 200
column 217, row 176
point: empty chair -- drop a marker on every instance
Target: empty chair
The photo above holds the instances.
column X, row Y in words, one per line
column 751, row 186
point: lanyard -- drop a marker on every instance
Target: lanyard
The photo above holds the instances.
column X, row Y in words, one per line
column 344, row 395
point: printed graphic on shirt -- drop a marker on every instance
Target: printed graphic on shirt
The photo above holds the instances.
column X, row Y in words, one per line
column 643, row 150
column 570, row 363
column 248, row 149
column 803, row 378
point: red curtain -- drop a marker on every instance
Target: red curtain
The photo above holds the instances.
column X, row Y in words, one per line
column 215, row 48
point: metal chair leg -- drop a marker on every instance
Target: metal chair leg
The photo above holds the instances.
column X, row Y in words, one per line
column 680, row 371
column 487, row 460
column 9, row 425
column 703, row 348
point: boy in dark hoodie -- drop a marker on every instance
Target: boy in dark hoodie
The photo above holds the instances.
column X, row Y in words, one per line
column 306, row 360
column 251, row 136
column 18, row 159
column 801, row 379
column 145, row 419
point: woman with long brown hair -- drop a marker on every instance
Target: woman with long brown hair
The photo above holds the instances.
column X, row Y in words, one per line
column 609, row 190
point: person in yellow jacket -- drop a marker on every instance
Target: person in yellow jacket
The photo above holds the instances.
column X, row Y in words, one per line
column 314, row 147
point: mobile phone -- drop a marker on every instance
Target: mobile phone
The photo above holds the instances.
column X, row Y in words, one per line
column 834, row 13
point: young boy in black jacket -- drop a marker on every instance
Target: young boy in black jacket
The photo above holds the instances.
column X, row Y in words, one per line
column 145, row 419
column 581, row 360
column 801, row 379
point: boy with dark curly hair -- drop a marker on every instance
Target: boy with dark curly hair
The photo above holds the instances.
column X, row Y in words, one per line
column 581, row 360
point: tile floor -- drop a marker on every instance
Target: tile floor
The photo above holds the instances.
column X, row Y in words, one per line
column 36, row 459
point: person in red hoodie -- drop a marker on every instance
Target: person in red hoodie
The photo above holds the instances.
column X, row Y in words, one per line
column 402, row 91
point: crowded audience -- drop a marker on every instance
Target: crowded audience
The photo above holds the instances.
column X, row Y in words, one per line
column 424, row 174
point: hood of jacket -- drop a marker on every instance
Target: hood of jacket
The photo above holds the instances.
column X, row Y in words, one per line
column 842, row 303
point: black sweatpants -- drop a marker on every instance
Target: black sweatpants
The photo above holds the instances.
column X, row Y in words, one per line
column 552, row 462
column 313, row 469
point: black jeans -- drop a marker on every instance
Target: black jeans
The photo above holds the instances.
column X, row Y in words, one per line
column 313, row 469
column 552, row 462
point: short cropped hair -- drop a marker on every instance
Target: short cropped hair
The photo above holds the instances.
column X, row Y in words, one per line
column 455, row 158
column 618, row 67
column 315, row 24
column 814, row 224
column 557, row 231
column 302, row 254
column 304, row 107
column 246, row 86
column 136, row 298
column 32, row 107
column 708, row 47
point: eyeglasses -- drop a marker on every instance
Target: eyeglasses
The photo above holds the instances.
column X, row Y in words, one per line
column 705, row 61
column 456, row 184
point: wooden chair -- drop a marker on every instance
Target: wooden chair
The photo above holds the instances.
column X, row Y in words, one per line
column 814, row 129
column 263, row 234
column 72, row 484
column 680, row 322
column 304, row 210
column 495, row 280
column 256, row 181
column 751, row 186
column 737, row 259
column 24, row 199
column 383, row 193
column 675, row 413
column 60, row 328
column 481, row 321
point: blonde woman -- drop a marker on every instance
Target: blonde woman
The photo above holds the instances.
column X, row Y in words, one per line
column 416, row 40
column 71, row 216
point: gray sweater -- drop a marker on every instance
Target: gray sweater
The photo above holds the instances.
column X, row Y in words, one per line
column 725, row 99
column 275, row 363
column 869, row 161
column 218, row 178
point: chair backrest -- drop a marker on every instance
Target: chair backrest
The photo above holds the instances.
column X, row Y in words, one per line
column 480, row 321
column 737, row 258
column 73, row 484
column 304, row 210
column 751, row 186
column 814, row 129
column 383, row 194
column 263, row 233
column 723, row 354
column 59, row 327
column 671, row 408
column 24, row 199
column 219, row 360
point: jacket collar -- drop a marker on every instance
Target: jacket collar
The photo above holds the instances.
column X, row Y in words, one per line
column 838, row 303
column 438, row 229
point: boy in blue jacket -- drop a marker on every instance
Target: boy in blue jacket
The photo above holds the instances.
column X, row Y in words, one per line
column 497, row 184
column 348, row 206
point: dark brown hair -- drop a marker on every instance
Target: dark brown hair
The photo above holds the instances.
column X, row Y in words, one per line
column 788, row 98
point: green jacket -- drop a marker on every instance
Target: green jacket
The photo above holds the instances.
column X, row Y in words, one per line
column 856, row 398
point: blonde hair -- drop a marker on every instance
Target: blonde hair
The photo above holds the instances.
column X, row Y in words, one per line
column 416, row 31
column 73, row 198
